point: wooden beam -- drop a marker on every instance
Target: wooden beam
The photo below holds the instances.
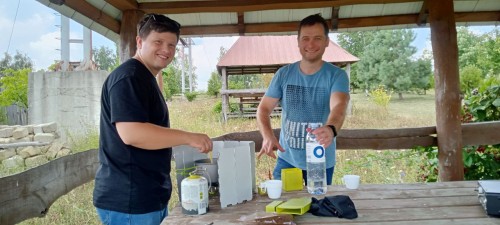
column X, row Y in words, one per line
column 343, row 23
column 128, row 45
column 335, row 18
column 94, row 14
column 30, row 193
column 477, row 16
column 123, row 5
column 241, row 23
column 445, row 51
column 422, row 16
column 176, row 7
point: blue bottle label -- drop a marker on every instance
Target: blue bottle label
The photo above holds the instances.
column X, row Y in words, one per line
column 315, row 153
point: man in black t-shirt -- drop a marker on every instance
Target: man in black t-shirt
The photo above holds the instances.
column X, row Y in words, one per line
column 132, row 184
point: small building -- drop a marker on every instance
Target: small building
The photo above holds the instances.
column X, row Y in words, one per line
column 261, row 55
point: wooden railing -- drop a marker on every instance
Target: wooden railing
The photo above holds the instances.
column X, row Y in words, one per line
column 30, row 193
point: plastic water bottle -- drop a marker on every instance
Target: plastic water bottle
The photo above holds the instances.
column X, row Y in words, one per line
column 315, row 160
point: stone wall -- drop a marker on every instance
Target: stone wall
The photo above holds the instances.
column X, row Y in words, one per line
column 30, row 145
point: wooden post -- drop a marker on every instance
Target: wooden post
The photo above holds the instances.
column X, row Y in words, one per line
column 448, row 125
column 348, row 71
column 225, row 96
column 128, row 32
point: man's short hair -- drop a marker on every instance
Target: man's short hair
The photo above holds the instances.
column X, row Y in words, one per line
column 158, row 23
column 312, row 20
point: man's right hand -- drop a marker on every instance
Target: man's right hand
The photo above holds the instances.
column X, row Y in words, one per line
column 201, row 141
column 268, row 147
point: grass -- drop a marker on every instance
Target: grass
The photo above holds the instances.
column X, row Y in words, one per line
column 388, row 166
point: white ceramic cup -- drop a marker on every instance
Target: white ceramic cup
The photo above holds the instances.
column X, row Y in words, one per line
column 351, row 181
column 273, row 188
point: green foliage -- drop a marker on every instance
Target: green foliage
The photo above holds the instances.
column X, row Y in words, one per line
column 381, row 97
column 190, row 96
column 214, row 84
column 233, row 107
column 18, row 62
column 355, row 43
column 89, row 140
column 480, row 162
column 479, row 50
column 172, row 79
column 167, row 94
column 105, row 58
column 483, row 106
column 422, row 78
column 387, row 61
column 246, row 81
column 470, row 78
column 14, row 85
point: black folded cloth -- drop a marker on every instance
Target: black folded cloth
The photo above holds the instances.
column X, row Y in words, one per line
column 340, row 206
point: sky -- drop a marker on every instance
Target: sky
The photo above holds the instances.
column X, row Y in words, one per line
column 34, row 32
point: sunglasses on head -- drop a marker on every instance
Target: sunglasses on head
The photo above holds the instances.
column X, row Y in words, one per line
column 160, row 19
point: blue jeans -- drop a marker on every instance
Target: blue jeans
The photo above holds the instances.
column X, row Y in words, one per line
column 109, row 217
column 282, row 164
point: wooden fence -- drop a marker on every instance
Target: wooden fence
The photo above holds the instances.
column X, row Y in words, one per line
column 30, row 193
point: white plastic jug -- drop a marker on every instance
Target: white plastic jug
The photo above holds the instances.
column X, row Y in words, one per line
column 194, row 193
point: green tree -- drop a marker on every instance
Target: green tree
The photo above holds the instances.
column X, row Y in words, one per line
column 470, row 78
column 14, row 85
column 421, row 78
column 214, row 84
column 386, row 61
column 479, row 50
column 105, row 58
column 355, row 43
column 18, row 62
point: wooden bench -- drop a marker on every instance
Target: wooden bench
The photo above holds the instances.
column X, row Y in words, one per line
column 248, row 103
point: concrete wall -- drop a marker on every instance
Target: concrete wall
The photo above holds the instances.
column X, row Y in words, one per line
column 71, row 99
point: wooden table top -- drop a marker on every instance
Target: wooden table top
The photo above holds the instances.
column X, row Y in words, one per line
column 421, row 203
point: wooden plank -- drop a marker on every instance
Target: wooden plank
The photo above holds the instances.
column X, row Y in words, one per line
column 244, row 92
column 484, row 133
column 95, row 14
column 454, row 221
column 387, row 133
column 381, row 216
column 430, row 207
column 30, row 193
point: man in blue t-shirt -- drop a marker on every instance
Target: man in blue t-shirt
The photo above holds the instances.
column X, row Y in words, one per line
column 309, row 91
column 132, row 183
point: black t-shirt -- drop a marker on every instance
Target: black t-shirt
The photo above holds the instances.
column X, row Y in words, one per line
column 129, row 179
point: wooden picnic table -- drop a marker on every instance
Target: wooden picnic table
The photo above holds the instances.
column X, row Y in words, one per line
column 420, row 203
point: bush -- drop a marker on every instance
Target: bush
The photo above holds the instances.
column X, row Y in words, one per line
column 190, row 96
column 233, row 107
column 381, row 97
column 481, row 161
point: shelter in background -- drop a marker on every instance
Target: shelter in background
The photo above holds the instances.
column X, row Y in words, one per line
column 261, row 55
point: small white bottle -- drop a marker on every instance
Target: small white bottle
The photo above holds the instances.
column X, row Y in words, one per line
column 315, row 161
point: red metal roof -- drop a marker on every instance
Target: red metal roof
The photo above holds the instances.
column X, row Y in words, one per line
column 265, row 54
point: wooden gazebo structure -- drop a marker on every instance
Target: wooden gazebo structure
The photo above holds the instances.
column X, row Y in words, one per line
column 30, row 193
column 261, row 55
column 117, row 19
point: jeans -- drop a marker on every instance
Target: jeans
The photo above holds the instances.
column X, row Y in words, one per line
column 282, row 164
column 109, row 217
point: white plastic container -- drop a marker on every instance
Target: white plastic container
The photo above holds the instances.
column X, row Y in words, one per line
column 194, row 193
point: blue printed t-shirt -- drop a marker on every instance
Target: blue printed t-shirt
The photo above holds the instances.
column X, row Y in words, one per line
column 305, row 99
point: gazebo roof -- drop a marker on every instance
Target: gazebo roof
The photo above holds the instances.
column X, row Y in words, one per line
column 241, row 17
column 266, row 54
